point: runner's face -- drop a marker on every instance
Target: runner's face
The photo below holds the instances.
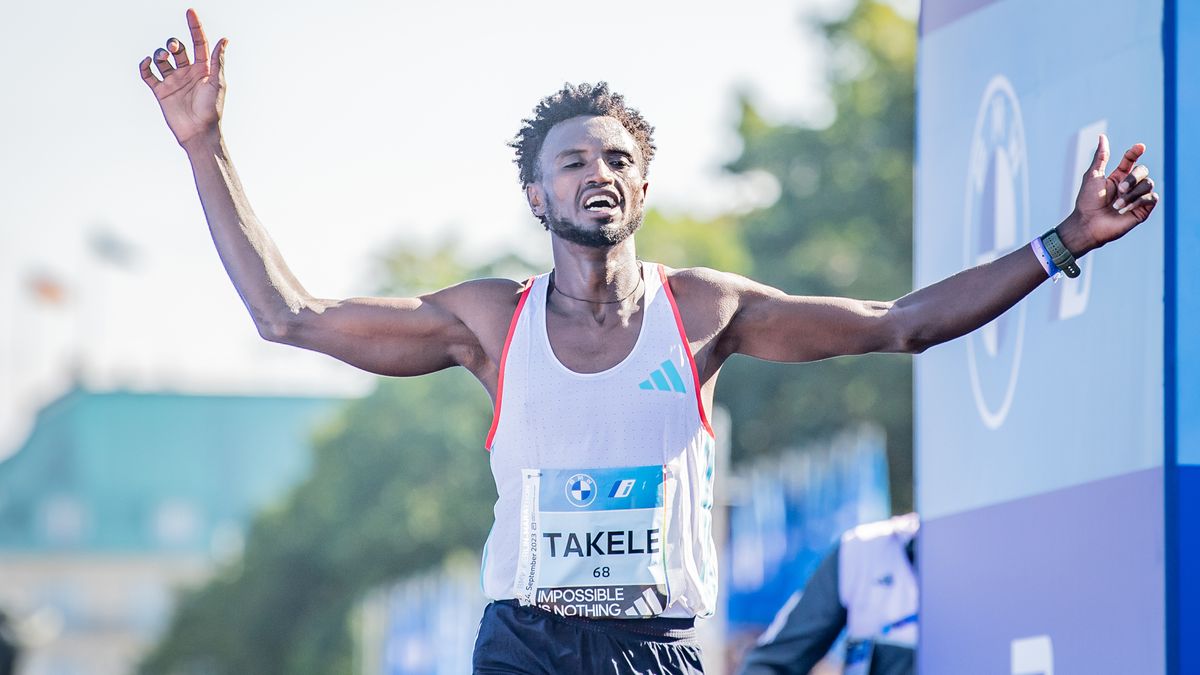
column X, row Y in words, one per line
column 591, row 189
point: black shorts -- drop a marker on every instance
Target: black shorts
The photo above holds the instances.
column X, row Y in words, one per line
column 526, row 640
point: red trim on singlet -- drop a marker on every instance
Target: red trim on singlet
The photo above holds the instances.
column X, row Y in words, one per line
column 512, row 327
column 687, row 348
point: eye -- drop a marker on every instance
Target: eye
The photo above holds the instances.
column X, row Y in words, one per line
column 619, row 163
column 573, row 165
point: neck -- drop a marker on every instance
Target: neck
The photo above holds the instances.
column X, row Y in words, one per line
column 595, row 274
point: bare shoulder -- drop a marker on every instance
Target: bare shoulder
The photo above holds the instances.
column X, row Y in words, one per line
column 484, row 306
column 704, row 281
column 480, row 303
column 489, row 291
column 707, row 299
column 704, row 284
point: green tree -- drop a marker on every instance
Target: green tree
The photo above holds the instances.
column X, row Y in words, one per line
column 842, row 226
column 680, row 240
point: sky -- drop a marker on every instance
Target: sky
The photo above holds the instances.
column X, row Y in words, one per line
column 356, row 127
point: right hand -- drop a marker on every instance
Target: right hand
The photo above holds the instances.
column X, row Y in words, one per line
column 191, row 95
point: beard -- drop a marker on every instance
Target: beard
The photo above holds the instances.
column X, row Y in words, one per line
column 605, row 236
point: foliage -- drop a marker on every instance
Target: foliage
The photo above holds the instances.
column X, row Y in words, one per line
column 684, row 241
column 842, row 226
column 406, row 272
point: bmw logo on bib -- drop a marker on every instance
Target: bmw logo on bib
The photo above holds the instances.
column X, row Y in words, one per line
column 581, row 490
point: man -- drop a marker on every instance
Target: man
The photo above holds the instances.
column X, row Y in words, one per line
column 867, row 585
column 602, row 371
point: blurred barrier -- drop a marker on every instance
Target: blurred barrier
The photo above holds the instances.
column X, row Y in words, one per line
column 425, row 625
column 785, row 514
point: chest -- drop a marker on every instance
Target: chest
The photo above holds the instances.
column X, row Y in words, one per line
column 592, row 344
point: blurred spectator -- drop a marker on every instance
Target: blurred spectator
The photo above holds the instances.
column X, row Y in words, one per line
column 8, row 645
column 868, row 586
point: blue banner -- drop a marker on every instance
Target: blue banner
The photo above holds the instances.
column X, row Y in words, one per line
column 788, row 512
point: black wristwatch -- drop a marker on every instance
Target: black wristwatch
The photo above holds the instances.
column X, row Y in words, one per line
column 1058, row 253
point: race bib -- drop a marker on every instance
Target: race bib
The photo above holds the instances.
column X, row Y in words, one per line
column 592, row 542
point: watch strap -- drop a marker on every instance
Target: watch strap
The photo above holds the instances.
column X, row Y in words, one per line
column 1059, row 254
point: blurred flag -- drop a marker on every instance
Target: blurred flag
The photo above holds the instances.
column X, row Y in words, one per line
column 46, row 289
column 113, row 248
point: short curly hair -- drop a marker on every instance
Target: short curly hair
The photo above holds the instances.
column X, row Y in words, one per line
column 572, row 101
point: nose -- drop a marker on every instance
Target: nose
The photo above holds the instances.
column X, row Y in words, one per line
column 599, row 172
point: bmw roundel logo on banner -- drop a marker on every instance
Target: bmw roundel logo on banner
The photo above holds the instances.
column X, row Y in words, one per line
column 996, row 222
column 581, row 490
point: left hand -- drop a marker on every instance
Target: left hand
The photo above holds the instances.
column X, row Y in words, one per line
column 1108, row 206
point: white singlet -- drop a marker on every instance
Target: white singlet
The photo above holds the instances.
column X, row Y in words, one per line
column 877, row 584
column 605, row 479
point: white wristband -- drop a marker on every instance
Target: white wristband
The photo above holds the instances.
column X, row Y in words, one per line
column 1039, row 249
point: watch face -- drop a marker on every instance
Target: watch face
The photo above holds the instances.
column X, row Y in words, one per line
column 1060, row 254
column 1054, row 246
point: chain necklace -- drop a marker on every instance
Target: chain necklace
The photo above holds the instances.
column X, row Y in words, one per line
column 554, row 288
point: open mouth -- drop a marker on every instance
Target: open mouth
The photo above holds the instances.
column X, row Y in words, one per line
column 600, row 203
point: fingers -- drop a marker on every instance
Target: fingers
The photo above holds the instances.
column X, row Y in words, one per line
column 1138, row 174
column 1126, row 164
column 177, row 50
column 175, row 56
column 1144, row 186
column 199, row 41
column 148, row 75
column 162, row 59
column 218, row 59
column 1100, row 159
column 1142, row 207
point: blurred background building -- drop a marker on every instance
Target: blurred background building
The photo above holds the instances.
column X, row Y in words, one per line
column 119, row 500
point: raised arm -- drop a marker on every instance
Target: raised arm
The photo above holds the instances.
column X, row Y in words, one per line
column 773, row 325
column 392, row 336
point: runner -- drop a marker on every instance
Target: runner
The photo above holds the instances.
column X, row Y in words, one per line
column 867, row 585
column 602, row 371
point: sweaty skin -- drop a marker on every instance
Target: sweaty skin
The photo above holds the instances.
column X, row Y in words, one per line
column 594, row 262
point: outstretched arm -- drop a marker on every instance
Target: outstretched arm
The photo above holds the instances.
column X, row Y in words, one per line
column 772, row 325
column 405, row 336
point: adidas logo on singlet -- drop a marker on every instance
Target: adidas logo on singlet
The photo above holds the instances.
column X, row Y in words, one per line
column 666, row 378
